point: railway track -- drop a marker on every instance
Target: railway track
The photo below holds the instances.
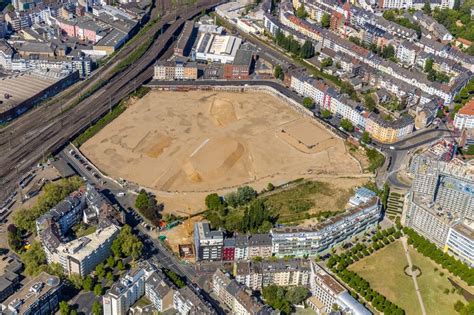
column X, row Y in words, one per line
column 62, row 127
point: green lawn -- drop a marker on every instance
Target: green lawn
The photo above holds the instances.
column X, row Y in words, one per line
column 384, row 271
column 432, row 286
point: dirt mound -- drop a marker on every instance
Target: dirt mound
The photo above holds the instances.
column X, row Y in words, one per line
column 222, row 112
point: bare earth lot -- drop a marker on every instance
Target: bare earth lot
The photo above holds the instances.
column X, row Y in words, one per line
column 185, row 145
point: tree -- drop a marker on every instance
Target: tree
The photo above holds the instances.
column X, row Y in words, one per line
column 111, row 262
column 369, row 102
column 98, row 290
column 308, row 103
column 297, row 295
column 141, row 201
column 100, row 270
column 326, row 62
column 270, row 187
column 120, row 265
column 301, row 12
column 88, row 283
column 96, row 308
column 34, row 259
column 213, row 202
column 326, row 20
column 347, row 125
column 14, row 238
column 427, row 7
column 429, row 65
column 175, row 278
column 325, row 114
column 388, row 52
column 127, row 244
column 110, row 276
column 366, row 137
column 307, row 50
column 64, row 308
column 278, row 72
column 76, row 280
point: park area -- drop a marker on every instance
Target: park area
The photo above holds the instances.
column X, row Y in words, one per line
column 184, row 145
column 384, row 270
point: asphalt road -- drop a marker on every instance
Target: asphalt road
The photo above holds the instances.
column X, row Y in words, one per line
column 34, row 136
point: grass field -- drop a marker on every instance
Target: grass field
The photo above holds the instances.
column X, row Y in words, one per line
column 384, row 271
column 307, row 198
column 432, row 286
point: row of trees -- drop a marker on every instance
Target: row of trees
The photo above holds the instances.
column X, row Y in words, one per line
column 359, row 251
column 174, row 278
column 362, row 287
column 53, row 193
column 283, row 299
column 149, row 207
column 290, row 44
column 339, row 264
column 448, row 262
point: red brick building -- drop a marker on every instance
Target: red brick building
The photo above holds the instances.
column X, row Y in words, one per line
column 241, row 68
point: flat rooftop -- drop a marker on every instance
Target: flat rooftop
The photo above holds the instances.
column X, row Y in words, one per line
column 17, row 88
column 30, row 293
column 83, row 246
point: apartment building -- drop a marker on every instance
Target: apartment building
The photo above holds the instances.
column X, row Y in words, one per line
column 236, row 297
column 359, row 18
column 241, row 251
column 423, row 217
column 328, row 98
column 259, row 245
column 460, row 241
column 208, row 244
column 125, row 292
column 327, row 291
column 446, row 185
column 65, row 214
column 440, row 205
column 257, row 275
column 389, row 131
column 175, row 70
column 312, row 241
column 407, row 52
column 160, row 291
column 228, row 250
column 188, row 302
column 81, row 255
column 41, row 295
column 465, row 116
column 415, row 4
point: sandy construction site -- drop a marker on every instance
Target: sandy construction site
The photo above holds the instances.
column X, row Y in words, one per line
column 184, row 145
